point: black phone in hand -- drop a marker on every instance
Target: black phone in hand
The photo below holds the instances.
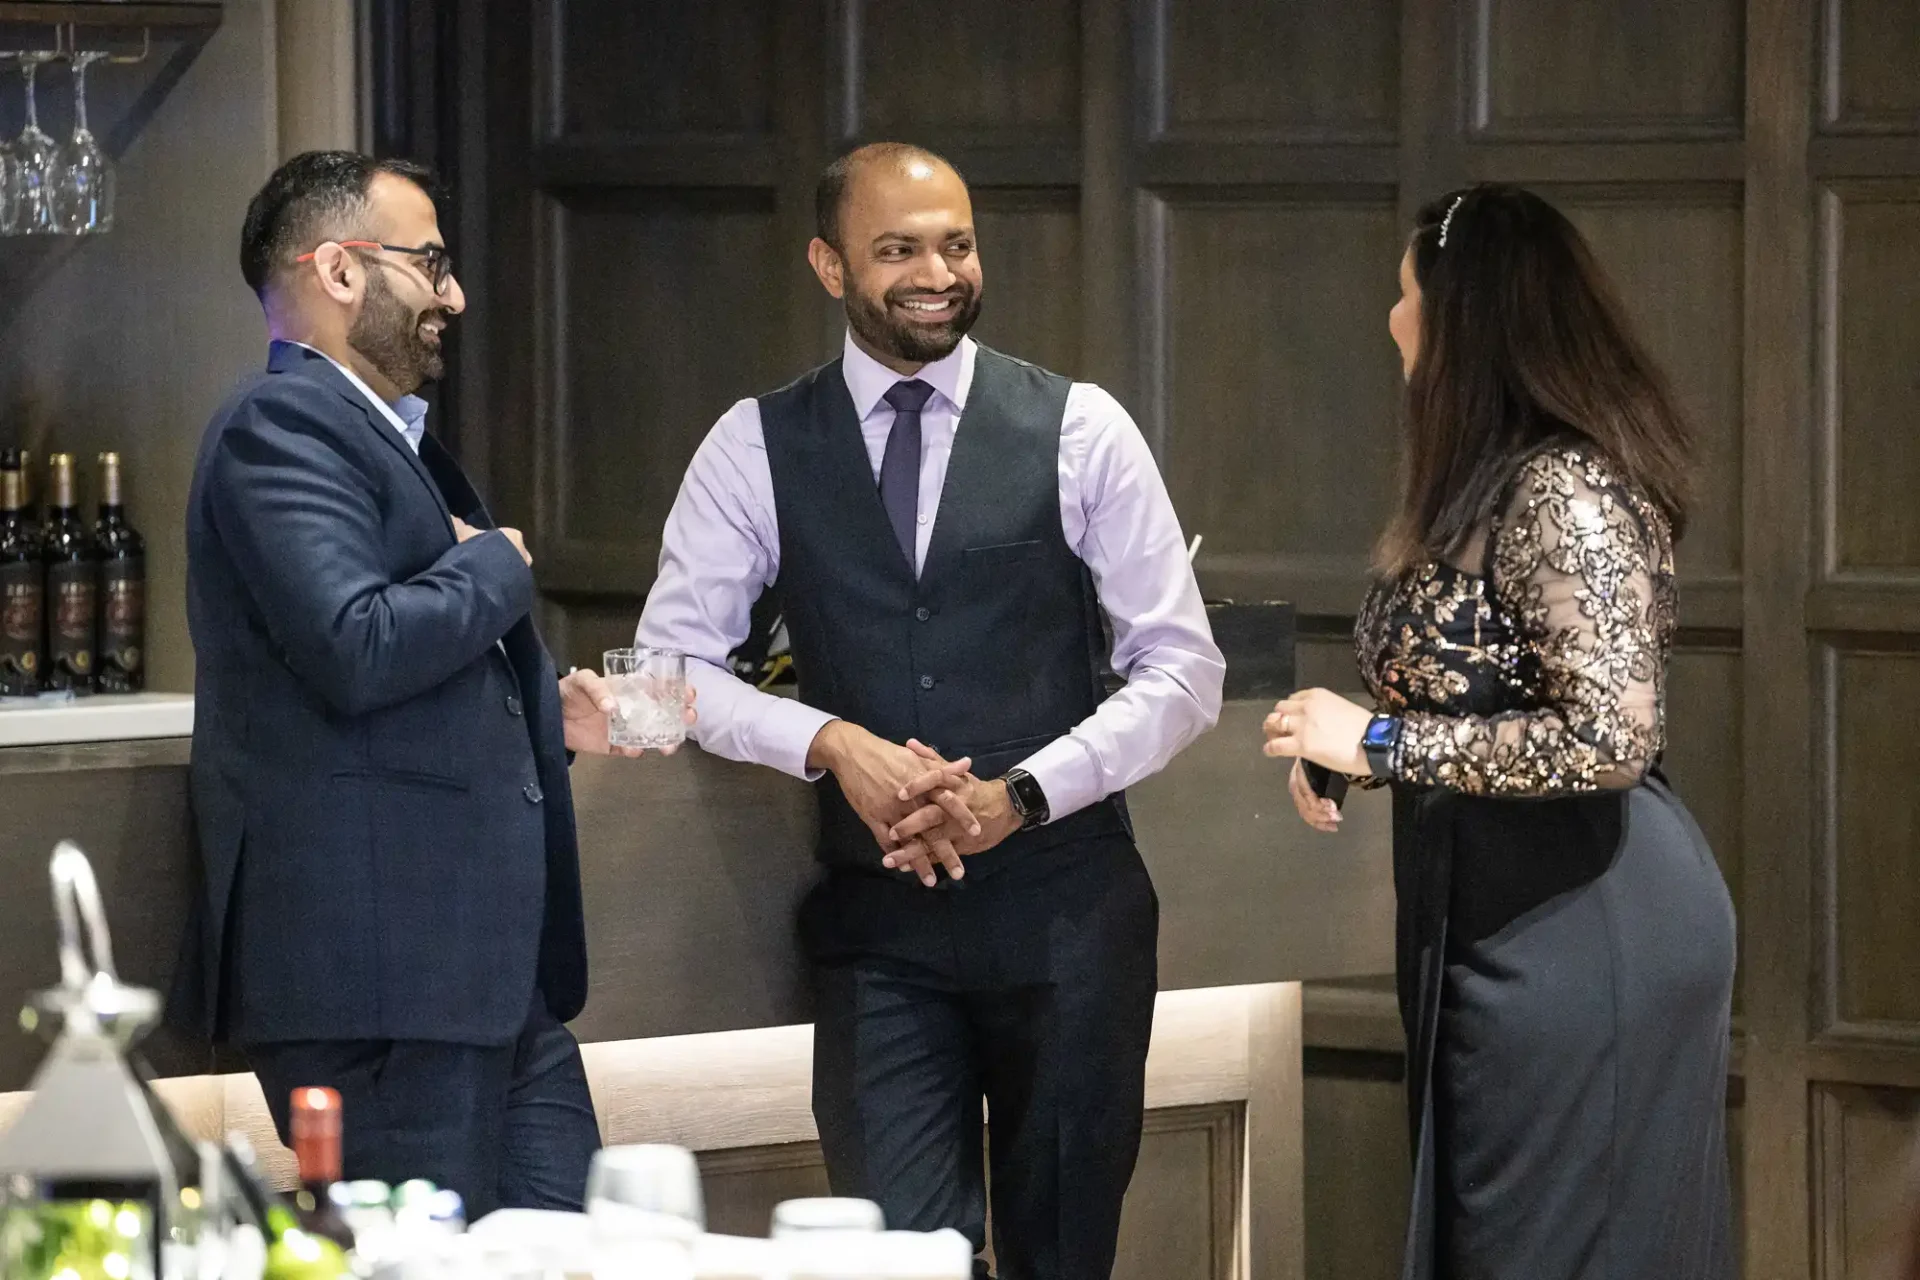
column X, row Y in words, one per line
column 1325, row 783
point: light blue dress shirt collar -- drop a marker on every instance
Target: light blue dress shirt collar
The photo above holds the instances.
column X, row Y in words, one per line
column 408, row 414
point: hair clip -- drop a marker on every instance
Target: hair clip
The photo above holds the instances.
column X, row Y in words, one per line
column 1448, row 220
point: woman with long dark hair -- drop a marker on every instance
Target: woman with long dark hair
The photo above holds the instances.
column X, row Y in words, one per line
column 1566, row 941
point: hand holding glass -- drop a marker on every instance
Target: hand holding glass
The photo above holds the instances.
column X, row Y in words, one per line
column 650, row 692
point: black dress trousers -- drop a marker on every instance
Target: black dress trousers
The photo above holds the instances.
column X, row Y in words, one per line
column 1031, row 989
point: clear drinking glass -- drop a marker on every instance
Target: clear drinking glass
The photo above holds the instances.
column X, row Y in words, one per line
column 650, row 688
column 84, row 197
column 36, row 162
column 650, row 1181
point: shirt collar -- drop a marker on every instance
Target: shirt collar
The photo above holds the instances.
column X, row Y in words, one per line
column 867, row 379
column 413, row 416
column 408, row 414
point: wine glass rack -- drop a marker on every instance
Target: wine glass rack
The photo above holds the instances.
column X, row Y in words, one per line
column 153, row 45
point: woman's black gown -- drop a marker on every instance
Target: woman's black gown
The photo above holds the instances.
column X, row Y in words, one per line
column 1566, row 941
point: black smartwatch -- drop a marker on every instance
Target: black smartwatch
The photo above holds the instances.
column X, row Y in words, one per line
column 1379, row 741
column 1029, row 801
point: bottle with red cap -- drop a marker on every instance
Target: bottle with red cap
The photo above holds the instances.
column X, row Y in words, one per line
column 315, row 1122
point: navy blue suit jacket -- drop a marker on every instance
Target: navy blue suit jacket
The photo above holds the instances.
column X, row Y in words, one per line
column 386, row 827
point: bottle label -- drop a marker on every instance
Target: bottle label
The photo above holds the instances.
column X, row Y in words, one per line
column 70, row 605
column 21, row 616
column 123, row 621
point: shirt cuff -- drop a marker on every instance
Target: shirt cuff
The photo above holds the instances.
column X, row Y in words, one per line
column 1066, row 776
column 786, row 734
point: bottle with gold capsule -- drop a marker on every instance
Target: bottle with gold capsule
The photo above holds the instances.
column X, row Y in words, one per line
column 22, row 585
column 71, row 589
column 120, row 663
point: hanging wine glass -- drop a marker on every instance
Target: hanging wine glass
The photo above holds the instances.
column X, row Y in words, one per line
column 84, row 197
column 36, row 161
column 9, row 197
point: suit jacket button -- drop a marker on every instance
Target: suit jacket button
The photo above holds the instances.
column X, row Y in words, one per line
column 922, row 613
column 533, row 793
column 513, row 705
column 926, row 682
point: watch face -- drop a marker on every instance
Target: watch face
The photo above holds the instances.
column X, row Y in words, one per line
column 1021, row 790
column 1017, row 792
column 1379, row 734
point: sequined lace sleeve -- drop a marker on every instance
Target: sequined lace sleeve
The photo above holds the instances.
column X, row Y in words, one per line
column 1585, row 569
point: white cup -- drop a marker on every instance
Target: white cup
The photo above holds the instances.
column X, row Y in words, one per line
column 826, row 1213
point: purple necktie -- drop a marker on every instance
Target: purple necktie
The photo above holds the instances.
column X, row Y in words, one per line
column 900, row 465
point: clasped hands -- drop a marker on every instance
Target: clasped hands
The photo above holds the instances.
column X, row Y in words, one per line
column 920, row 807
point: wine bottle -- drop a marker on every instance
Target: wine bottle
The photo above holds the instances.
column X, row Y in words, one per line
column 290, row 1253
column 122, row 620
column 71, row 588
column 316, row 1146
column 22, row 585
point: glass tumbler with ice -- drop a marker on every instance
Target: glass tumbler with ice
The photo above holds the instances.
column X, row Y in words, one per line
column 650, row 692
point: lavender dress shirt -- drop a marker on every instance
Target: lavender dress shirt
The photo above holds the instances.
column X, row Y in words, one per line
column 721, row 549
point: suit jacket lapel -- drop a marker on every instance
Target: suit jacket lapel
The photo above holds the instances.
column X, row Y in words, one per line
column 439, row 474
column 526, row 654
column 290, row 358
column 455, row 489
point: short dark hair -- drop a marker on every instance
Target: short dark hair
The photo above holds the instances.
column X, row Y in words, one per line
column 830, row 193
column 311, row 198
column 1522, row 340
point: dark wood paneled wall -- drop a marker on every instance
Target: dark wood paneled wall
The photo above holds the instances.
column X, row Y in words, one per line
column 1200, row 204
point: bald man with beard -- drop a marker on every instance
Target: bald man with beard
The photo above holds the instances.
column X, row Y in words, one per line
column 944, row 526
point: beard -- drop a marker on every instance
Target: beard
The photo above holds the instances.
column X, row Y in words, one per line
column 387, row 333
column 876, row 324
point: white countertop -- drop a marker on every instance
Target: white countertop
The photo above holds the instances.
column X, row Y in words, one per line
column 101, row 717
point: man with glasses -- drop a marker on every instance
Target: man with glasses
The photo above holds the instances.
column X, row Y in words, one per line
column 391, row 904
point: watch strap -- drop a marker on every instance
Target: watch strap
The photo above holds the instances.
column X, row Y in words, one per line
column 1379, row 743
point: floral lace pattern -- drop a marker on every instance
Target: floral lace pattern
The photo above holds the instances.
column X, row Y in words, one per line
column 1547, row 675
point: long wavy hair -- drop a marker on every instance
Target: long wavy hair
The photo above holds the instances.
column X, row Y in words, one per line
column 1522, row 341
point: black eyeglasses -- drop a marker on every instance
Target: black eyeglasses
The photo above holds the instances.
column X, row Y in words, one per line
column 436, row 262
